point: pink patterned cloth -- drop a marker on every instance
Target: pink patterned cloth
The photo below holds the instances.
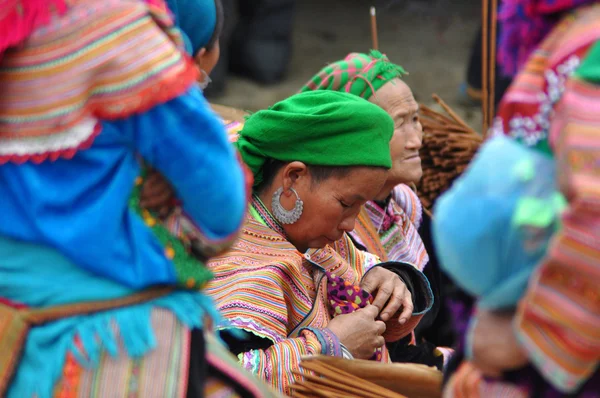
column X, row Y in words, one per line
column 19, row 18
column 345, row 298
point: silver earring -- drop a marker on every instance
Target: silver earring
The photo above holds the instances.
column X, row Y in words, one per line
column 286, row 216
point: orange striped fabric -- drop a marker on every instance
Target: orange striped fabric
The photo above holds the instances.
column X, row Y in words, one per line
column 161, row 373
column 559, row 319
column 264, row 286
column 99, row 60
column 368, row 235
column 548, row 107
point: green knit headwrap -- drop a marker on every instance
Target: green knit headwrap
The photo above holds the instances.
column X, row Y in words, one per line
column 358, row 74
column 320, row 128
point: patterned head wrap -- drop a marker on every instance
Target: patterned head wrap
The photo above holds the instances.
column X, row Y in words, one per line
column 358, row 74
column 320, row 128
column 523, row 26
column 196, row 19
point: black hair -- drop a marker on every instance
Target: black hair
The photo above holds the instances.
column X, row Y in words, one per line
column 318, row 173
column 219, row 22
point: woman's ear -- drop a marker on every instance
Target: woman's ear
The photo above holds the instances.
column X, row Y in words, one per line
column 207, row 59
column 200, row 54
column 294, row 174
column 199, row 58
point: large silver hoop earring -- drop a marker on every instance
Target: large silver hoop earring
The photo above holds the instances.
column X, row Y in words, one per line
column 283, row 215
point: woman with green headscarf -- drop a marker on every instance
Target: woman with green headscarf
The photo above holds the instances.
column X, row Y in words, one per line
column 388, row 225
column 294, row 280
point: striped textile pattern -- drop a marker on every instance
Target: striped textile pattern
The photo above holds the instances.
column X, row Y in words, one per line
column 99, row 60
column 123, row 376
column 550, row 109
column 397, row 228
column 233, row 129
column 527, row 108
column 366, row 235
column 559, row 319
column 161, row 373
column 264, row 286
column 225, row 373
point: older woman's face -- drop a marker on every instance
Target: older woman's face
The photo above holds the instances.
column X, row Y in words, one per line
column 396, row 98
column 330, row 206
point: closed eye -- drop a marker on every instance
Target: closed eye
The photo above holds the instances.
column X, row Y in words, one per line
column 344, row 205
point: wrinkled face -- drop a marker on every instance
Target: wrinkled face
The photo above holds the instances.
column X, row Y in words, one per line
column 330, row 206
column 396, row 98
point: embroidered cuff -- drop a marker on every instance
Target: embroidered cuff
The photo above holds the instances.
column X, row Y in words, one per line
column 330, row 344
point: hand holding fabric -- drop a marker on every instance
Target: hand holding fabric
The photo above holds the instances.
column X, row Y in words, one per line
column 390, row 294
column 359, row 331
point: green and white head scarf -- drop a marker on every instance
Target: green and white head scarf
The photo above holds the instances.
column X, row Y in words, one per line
column 358, row 74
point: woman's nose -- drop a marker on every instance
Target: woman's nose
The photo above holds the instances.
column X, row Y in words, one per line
column 347, row 224
column 415, row 138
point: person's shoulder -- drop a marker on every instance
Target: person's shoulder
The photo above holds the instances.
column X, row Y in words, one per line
column 258, row 249
column 408, row 200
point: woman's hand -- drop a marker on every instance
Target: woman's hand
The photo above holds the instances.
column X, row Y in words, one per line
column 359, row 331
column 495, row 346
column 388, row 288
column 157, row 194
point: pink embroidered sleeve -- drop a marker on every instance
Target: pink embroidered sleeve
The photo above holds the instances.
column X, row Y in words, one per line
column 408, row 200
column 276, row 364
column 558, row 321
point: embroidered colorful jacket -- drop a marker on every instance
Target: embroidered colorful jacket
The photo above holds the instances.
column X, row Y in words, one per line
column 264, row 286
column 96, row 85
column 559, row 320
column 392, row 233
column 553, row 107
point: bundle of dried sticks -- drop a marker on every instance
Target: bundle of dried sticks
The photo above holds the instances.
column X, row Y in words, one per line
column 329, row 377
column 448, row 146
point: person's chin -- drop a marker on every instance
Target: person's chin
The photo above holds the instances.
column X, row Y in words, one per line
column 324, row 241
column 412, row 174
column 417, row 175
column 318, row 243
column 403, row 177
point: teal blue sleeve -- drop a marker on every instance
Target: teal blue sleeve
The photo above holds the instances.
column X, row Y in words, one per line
column 187, row 143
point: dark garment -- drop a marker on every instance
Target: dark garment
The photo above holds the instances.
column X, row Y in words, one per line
column 422, row 353
column 436, row 326
column 261, row 46
column 198, row 366
column 414, row 282
column 200, row 370
column 221, row 70
column 256, row 42
column 250, row 342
